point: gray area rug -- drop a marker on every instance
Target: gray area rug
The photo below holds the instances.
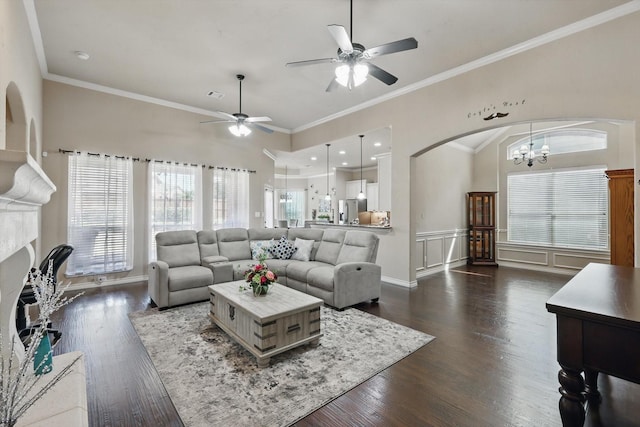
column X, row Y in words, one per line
column 213, row 381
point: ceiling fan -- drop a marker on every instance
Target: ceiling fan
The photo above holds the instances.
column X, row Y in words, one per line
column 355, row 58
column 241, row 122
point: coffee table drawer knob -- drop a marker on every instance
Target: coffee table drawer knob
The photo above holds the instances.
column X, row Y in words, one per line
column 232, row 312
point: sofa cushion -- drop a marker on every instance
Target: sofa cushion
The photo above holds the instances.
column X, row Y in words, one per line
column 303, row 249
column 208, row 244
column 233, row 243
column 178, row 248
column 283, row 249
column 321, row 277
column 329, row 247
column 188, row 277
column 261, row 247
column 358, row 246
column 278, row 266
column 267, row 233
column 298, row 270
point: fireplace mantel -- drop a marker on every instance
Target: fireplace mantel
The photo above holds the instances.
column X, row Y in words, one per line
column 24, row 187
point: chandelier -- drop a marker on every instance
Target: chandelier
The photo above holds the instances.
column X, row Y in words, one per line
column 528, row 155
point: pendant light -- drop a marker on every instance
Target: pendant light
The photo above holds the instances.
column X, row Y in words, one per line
column 361, row 195
column 328, row 196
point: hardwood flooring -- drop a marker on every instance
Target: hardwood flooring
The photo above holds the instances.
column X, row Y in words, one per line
column 492, row 363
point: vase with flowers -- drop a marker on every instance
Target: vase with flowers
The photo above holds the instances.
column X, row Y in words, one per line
column 259, row 277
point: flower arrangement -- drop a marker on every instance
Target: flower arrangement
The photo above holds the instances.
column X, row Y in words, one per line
column 21, row 381
column 260, row 277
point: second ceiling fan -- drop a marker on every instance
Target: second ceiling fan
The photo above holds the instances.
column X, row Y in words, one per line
column 241, row 122
column 354, row 58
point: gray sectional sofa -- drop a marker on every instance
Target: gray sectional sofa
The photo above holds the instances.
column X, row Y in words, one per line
column 335, row 265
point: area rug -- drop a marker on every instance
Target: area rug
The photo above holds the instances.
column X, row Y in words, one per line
column 213, row 381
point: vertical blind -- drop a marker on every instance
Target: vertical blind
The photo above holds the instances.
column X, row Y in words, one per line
column 100, row 218
column 566, row 208
column 230, row 198
column 175, row 199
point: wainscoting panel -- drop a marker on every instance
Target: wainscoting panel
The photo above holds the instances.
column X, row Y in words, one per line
column 421, row 254
column 435, row 252
column 576, row 261
column 438, row 250
column 562, row 260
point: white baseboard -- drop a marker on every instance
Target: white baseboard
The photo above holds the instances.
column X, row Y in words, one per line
column 398, row 282
column 523, row 266
column 111, row 282
column 429, row 271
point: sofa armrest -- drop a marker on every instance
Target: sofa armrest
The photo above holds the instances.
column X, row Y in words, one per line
column 212, row 259
column 355, row 282
column 159, row 283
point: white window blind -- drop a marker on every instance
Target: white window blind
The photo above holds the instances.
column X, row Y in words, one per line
column 100, row 215
column 230, row 198
column 567, row 208
column 175, row 199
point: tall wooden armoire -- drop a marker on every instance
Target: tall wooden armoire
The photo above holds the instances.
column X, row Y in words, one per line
column 481, row 207
column 621, row 216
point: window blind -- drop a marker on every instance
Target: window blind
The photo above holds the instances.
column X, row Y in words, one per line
column 100, row 219
column 175, row 200
column 230, row 199
column 566, row 208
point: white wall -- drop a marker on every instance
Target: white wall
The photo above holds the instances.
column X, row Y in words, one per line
column 86, row 120
column 591, row 74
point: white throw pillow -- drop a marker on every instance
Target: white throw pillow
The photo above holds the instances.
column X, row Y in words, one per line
column 304, row 249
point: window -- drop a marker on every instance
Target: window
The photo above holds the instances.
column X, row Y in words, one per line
column 291, row 204
column 230, row 198
column 563, row 141
column 175, row 199
column 564, row 208
column 100, row 220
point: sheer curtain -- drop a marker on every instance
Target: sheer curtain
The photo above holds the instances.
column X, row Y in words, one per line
column 175, row 199
column 100, row 214
column 291, row 205
column 230, row 198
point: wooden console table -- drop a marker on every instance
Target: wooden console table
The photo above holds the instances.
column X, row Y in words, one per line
column 598, row 322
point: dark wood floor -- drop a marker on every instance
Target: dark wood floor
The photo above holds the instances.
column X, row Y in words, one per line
column 492, row 364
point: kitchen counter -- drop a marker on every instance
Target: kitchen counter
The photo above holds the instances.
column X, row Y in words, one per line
column 368, row 227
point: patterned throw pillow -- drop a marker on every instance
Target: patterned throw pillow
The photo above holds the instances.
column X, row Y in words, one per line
column 283, row 248
column 261, row 246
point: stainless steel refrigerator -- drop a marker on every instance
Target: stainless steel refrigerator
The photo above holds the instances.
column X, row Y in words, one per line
column 348, row 210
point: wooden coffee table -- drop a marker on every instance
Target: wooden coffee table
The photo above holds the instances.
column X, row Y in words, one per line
column 265, row 325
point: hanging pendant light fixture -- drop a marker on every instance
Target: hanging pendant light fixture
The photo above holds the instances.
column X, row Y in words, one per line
column 527, row 154
column 361, row 195
column 284, row 198
column 328, row 196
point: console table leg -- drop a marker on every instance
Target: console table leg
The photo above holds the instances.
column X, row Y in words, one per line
column 591, row 386
column 571, row 403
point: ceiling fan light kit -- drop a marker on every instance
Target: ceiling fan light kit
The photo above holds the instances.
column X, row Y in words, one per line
column 354, row 58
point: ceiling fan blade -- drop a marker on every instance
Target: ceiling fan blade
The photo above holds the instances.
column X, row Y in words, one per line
column 225, row 116
column 310, row 62
column 257, row 119
column 215, row 121
column 333, row 85
column 393, row 47
column 381, row 74
column 341, row 37
column 257, row 126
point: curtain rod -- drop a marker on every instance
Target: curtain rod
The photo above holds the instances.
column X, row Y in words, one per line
column 170, row 162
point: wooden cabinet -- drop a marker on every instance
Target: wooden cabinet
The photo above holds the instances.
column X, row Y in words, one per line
column 621, row 216
column 481, row 208
column 353, row 188
column 372, row 196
